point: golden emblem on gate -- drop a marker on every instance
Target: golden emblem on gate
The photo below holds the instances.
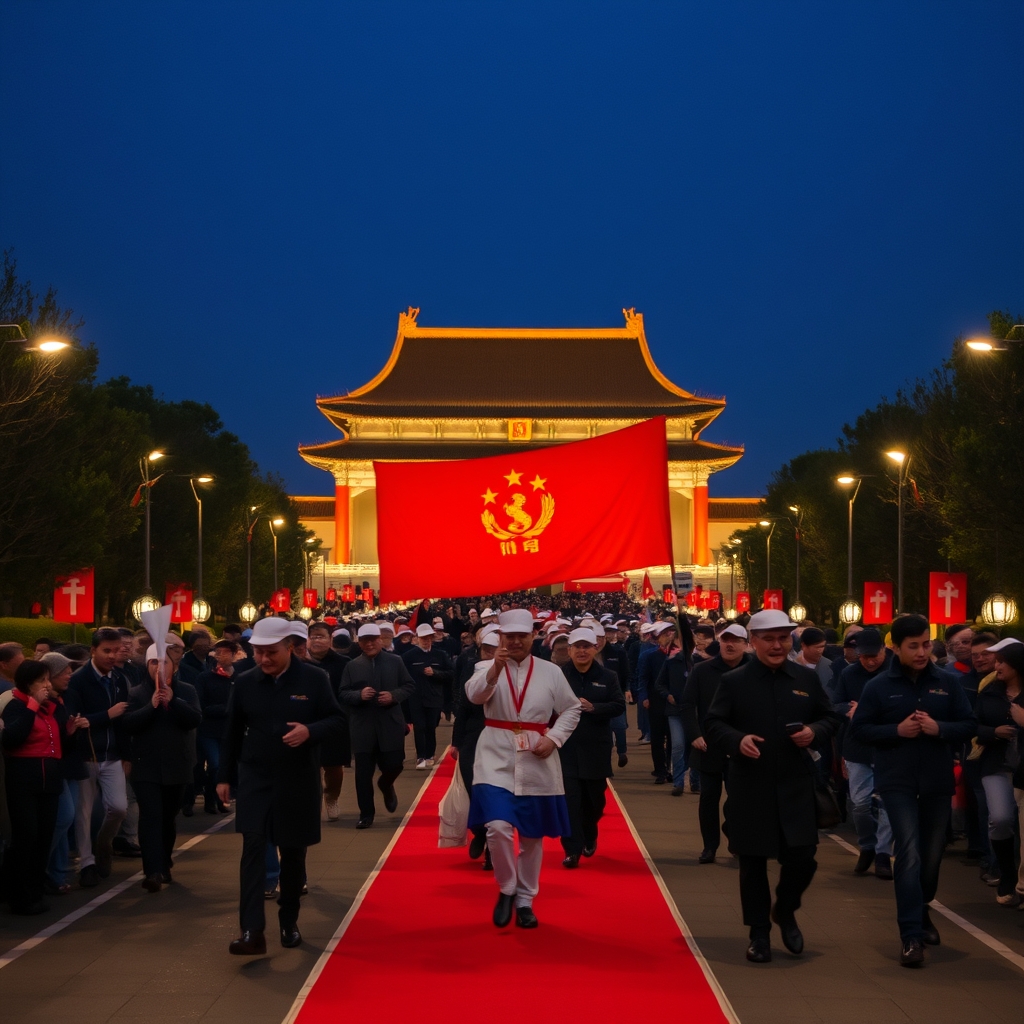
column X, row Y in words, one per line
column 520, row 511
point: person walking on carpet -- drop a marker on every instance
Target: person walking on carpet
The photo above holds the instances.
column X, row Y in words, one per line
column 517, row 784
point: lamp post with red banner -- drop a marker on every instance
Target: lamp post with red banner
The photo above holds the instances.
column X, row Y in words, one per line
column 146, row 601
column 850, row 611
column 902, row 460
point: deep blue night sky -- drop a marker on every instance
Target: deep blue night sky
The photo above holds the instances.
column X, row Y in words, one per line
column 807, row 201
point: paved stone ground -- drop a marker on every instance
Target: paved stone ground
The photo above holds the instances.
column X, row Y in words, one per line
column 163, row 958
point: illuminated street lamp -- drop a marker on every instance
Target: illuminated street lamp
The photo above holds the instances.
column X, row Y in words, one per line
column 49, row 345
column 850, row 610
column 146, row 602
column 272, row 521
column 999, row 610
column 902, row 460
column 768, row 551
column 200, row 608
column 988, row 344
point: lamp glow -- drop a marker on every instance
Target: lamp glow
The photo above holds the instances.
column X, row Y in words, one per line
column 153, row 456
column 247, row 613
column 204, row 479
column 980, row 344
column 145, row 603
column 849, row 612
column 999, row 610
column 306, row 613
column 897, row 456
column 278, row 521
column 765, row 522
column 730, row 613
column 52, row 345
column 798, row 613
column 200, row 610
column 846, row 480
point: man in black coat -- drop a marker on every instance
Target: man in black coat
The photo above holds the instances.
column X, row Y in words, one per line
column 432, row 673
column 214, row 691
column 766, row 715
column 277, row 717
column 710, row 761
column 336, row 752
column 373, row 687
column 586, row 755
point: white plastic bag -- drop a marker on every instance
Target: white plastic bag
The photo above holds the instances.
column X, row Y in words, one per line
column 454, row 812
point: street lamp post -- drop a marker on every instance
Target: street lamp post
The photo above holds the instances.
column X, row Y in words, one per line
column 851, row 610
column 200, row 608
column 278, row 521
column 902, row 460
column 768, row 551
column 47, row 345
column 981, row 344
column 146, row 601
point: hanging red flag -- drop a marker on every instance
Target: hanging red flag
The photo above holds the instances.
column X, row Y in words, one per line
column 668, row 595
column 368, row 596
column 310, row 598
column 137, row 496
column 179, row 597
column 773, row 599
column 714, row 599
column 528, row 518
column 692, row 599
column 742, row 602
column 648, row 591
column 947, row 597
column 281, row 600
column 74, row 597
column 332, row 594
column 348, row 593
column 877, row 603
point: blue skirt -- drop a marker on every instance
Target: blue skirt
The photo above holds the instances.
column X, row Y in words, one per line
column 533, row 816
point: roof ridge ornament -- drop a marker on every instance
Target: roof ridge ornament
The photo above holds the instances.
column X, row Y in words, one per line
column 407, row 320
column 634, row 320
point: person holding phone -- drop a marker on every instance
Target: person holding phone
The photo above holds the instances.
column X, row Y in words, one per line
column 765, row 716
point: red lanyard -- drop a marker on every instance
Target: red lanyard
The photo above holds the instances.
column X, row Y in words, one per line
column 517, row 702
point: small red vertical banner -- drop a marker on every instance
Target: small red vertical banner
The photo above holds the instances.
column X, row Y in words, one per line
column 310, row 598
column 668, row 595
column 648, row 591
column 74, row 597
column 368, row 596
column 773, row 600
column 281, row 600
column 877, row 603
column 348, row 593
column 179, row 597
column 332, row 594
column 947, row 597
column 742, row 601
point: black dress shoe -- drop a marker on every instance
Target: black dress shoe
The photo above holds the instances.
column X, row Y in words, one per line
column 390, row 796
column 248, row 944
column 30, row 909
column 152, row 883
column 707, row 856
column 526, row 918
column 476, row 847
column 165, row 877
column 571, row 860
column 912, row 953
column 883, row 867
column 364, row 822
column 864, row 861
column 623, row 760
column 503, row 910
column 290, row 937
column 89, row 877
column 660, row 780
column 792, row 938
column 929, row 933
column 759, row 951
column 589, row 851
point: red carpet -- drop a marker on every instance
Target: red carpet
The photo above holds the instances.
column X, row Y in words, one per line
column 422, row 943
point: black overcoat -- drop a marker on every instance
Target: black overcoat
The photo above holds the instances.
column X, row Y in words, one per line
column 163, row 739
column 587, row 753
column 774, row 793
column 372, row 726
column 698, row 691
column 337, row 749
column 278, row 786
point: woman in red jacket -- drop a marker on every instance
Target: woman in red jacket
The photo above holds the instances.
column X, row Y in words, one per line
column 34, row 727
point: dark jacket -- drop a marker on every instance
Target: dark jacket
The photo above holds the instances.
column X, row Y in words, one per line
column 105, row 738
column 613, row 657
column 429, row 690
column 467, row 726
column 278, row 786
column 648, row 666
column 336, row 749
column 773, row 793
column 920, row 764
column 587, row 753
column 190, row 668
column 698, row 692
column 992, row 708
column 848, row 689
column 163, row 739
column 214, row 693
column 372, row 726
column 671, row 682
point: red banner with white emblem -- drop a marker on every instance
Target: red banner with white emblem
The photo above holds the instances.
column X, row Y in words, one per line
column 74, row 597
column 877, row 603
column 773, row 599
column 310, row 598
column 179, row 597
column 742, row 601
column 947, row 597
column 281, row 600
column 531, row 517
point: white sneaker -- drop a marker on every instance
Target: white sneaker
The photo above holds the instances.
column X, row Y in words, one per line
column 421, row 764
column 332, row 809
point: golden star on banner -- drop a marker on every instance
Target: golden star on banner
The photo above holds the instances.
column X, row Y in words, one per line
column 489, row 497
column 513, row 477
column 538, row 483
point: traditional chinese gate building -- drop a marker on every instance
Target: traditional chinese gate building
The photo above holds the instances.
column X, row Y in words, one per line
column 450, row 393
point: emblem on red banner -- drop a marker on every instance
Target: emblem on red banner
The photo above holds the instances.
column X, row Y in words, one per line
column 877, row 603
column 332, row 594
column 74, row 597
column 947, row 597
column 281, row 600
column 368, row 596
column 668, row 595
column 310, row 598
column 773, row 600
column 179, row 597
column 348, row 593
column 742, row 601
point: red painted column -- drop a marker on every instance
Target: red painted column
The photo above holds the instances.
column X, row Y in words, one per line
column 701, row 552
column 342, row 525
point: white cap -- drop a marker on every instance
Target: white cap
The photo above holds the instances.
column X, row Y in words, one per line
column 368, row 629
column 583, row 635
column 551, row 627
column 339, row 631
column 770, row 618
column 424, row 629
column 299, row 629
column 563, row 622
column 403, row 628
column 383, row 624
column 646, row 627
column 606, row 617
column 270, row 631
column 487, row 612
column 490, row 637
column 151, row 654
column 622, row 624
column 1003, row 644
column 438, row 622
column 597, row 628
column 518, row 620
column 734, row 629
column 660, row 627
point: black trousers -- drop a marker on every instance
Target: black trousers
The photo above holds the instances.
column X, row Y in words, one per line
column 253, row 882
column 158, row 809
column 797, row 869
column 708, row 809
column 390, row 764
column 661, row 743
column 424, row 729
column 585, row 799
column 33, row 818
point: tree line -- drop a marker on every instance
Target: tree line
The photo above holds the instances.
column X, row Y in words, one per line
column 70, row 453
column 962, row 427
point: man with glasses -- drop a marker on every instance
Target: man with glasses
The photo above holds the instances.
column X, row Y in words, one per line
column 766, row 715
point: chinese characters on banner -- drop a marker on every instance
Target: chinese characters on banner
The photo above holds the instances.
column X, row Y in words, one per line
column 668, row 595
column 74, row 597
column 773, row 599
column 179, row 597
column 947, row 597
column 877, row 603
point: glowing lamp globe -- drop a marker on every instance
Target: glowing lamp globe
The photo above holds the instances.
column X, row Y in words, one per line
column 247, row 613
column 200, row 610
column 849, row 612
column 730, row 613
column 798, row 613
column 999, row 610
column 145, row 603
column 306, row 613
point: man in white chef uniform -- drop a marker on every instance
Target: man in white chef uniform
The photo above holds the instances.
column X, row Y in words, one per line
column 517, row 784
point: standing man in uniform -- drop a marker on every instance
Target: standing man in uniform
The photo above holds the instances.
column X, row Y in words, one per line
column 277, row 715
column 586, row 756
column 766, row 715
column 373, row 687
column 432, row 673
column 517, row 784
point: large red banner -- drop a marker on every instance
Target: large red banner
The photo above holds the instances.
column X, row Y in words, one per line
column 528, row 518
column 179, row 597
column 74, row 597
column 877, row 603
column 947, row 597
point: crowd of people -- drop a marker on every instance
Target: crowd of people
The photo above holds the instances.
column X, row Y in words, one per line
column 105, row 745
